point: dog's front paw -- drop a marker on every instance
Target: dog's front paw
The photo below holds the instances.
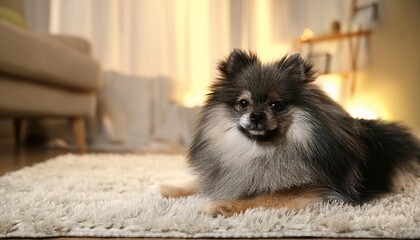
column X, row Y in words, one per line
column 224, row 208
column 169, row 191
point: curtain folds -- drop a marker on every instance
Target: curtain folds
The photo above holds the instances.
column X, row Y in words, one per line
column 180, row 40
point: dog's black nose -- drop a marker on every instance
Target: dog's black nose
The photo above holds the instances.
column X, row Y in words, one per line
column 257, row 117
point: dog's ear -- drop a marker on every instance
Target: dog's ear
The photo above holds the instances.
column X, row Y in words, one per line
column 236, row 62
column 297, row 68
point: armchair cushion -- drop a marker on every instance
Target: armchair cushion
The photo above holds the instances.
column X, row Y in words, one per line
column 28, row 55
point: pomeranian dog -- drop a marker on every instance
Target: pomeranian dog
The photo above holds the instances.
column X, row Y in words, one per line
column 268, row 137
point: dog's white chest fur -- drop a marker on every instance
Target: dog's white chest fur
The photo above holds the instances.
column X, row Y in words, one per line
column 250, row 168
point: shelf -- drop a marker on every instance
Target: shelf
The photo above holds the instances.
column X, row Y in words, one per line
column 333, row 37
column 354, row 46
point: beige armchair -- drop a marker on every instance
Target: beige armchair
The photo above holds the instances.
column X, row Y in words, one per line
column 47, row 76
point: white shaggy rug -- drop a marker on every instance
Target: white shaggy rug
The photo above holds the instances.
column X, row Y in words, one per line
column 110, row 196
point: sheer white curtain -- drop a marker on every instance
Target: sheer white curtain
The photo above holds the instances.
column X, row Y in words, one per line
column 181, row 40
column 173, row 46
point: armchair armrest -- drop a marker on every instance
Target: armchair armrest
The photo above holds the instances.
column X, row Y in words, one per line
column 80, row 44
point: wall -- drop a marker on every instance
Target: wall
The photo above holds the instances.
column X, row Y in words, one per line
column 391, row 85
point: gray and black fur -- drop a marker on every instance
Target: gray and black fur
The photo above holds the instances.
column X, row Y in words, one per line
column 267, row 127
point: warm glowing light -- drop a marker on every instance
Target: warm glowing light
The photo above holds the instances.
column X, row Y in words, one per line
column 362, row 112
column 193, row 99
column 367, row 106
column 332, row 85
column 359, row 106
column 307, row 34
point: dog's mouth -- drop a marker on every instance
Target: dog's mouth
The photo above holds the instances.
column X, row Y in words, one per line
column 258, row 134
column 258, row 126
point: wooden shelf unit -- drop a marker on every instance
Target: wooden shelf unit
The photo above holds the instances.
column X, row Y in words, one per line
column 353, row 38
column 333, row 37
column 354, row 45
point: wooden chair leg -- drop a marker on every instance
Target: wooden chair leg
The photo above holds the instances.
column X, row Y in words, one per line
column 19, row 128
column 78, row 127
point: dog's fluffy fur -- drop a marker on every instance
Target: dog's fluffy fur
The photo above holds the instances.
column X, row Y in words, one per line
column 268, row 137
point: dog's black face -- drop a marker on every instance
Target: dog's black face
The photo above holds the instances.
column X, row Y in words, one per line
column 260, row 119
column 262, row 98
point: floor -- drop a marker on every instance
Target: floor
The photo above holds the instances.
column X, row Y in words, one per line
column 12, row 159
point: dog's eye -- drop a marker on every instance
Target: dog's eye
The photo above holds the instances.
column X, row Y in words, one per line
column 277, row 106
column 243, row 103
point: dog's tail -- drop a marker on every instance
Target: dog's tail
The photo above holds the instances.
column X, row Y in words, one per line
column 391, row 140
column 389, row 146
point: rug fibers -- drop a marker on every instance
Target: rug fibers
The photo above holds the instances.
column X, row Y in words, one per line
column 106, row 195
